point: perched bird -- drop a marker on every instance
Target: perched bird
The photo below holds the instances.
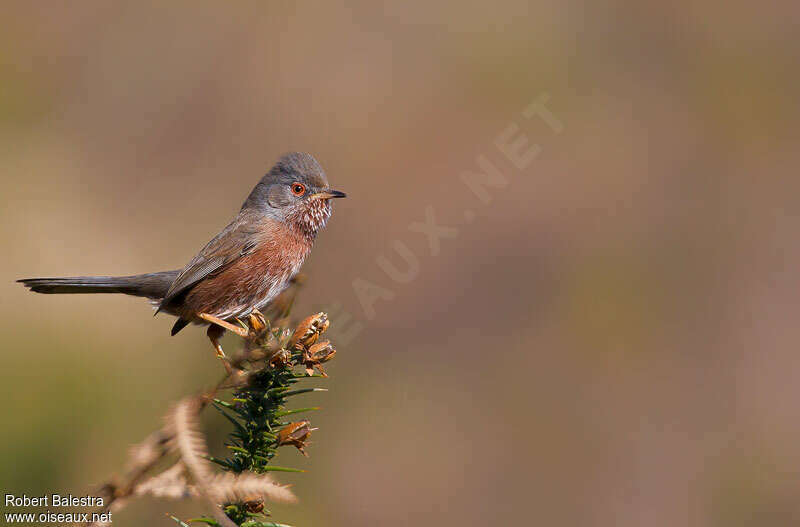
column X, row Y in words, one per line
column 244, row 267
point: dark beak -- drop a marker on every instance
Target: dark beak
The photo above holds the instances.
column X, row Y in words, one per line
column 327, row 194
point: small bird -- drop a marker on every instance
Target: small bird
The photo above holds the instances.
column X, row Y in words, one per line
column 244, row 267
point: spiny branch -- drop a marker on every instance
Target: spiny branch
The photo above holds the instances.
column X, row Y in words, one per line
column 261, row 378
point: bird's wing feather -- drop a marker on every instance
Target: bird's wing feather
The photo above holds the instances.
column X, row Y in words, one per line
column 236, row 240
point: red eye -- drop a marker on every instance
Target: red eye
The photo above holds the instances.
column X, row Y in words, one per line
column 298, row 189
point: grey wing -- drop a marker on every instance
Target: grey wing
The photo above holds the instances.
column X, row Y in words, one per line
column 235, row 241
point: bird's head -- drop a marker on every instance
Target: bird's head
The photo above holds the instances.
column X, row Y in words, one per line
column 296, row 192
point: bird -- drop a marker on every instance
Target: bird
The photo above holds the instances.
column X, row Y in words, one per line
column 244, row 267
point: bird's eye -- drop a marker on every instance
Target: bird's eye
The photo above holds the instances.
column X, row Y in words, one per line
column 298, row 189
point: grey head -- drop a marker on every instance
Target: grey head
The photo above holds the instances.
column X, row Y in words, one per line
column 295, row 191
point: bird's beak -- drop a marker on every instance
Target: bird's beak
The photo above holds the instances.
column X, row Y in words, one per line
column 328, row 194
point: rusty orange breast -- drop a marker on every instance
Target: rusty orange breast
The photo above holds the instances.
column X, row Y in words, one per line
column 254, row 279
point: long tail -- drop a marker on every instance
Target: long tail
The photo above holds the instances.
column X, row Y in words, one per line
column 150, row 285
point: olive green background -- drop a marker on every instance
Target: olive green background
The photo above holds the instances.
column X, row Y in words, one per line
column 611, row 341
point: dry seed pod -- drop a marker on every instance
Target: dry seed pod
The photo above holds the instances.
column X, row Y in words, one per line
column 296, row 434
column 316, row 355
column 308, row 330
column 280, row 359
column 257, row 321
column 253, row 504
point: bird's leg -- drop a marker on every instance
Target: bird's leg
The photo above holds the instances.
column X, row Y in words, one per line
column 242, row 332
column 214, row 334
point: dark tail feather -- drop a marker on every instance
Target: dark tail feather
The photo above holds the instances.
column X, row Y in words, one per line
column 179, row 325
column 151, row 285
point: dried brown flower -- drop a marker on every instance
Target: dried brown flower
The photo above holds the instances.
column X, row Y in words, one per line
column 280, row 359
column 316, row 355
column 257, row 321
column 296, row 434
column 253, row 504
column 308, row 330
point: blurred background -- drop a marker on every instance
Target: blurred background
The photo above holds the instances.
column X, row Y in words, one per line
column 610, row 341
